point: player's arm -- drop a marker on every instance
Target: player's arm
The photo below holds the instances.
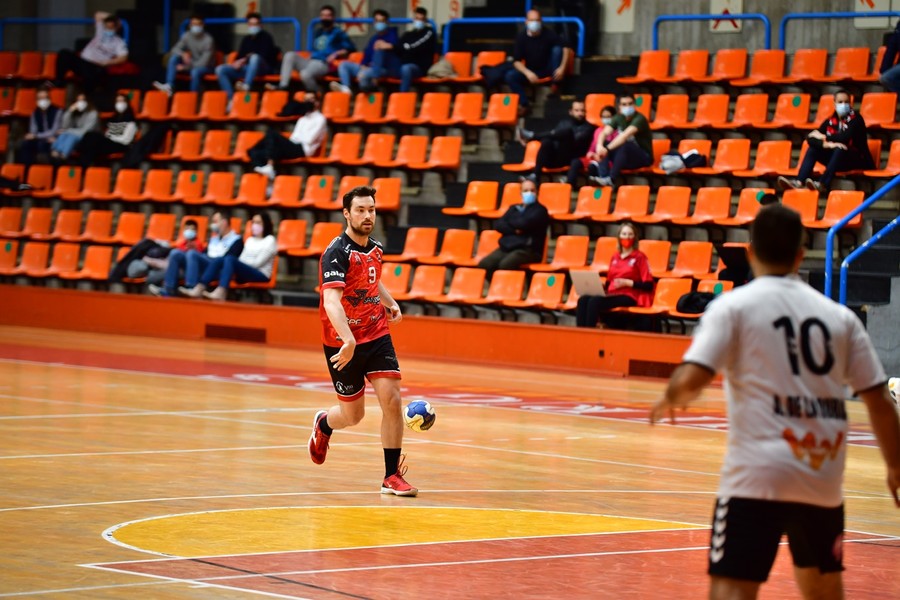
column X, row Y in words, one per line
column 886, row 427
column 390, row 304
column 331, row 300
column 685, row 386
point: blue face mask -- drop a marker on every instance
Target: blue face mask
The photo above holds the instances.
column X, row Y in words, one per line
column 253, row 29
column 418, row 24
column 196, row 29
column 109, row 33
column 842, row 109
column 529, row 198
column 380, row 26
column 626, row 111
column 190, row 234
column 533, row 26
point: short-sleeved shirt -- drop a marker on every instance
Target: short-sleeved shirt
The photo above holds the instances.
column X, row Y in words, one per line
column 787, row 352
column 642, row 136
column 635, row 267
column 535, row 50
column 357, row 269
column 102, row 49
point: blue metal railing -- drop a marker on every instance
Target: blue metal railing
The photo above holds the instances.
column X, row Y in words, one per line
column 829, row 241
column 782, row 27
column 495, row 20
column 126, row 29
column 737, row 17
column 298, row 28
column 310, row 31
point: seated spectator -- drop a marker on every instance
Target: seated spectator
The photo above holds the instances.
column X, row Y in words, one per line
column 416, row 49
column 590, row 162
column 254, row 265
column 630, row 148
column 379, row 59
column 890, row 73
column 306, row 139
column 628, row 283
column 195, row 52
column 105, row 50
column 193, row 262
column 45, row 121
column 149, row 258
column 538, row 53
column 120, row 131
column 330, row 43
column 257, row 55
column 524, row 233
column 840, row 143
column 562, row 145
column 79, row 119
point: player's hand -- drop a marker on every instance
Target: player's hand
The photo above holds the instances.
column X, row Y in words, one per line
column 344, row 356
column 394, row 314
column 659, row 410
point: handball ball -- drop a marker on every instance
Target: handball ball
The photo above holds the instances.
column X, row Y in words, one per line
column 894, row 389
column 418, row 415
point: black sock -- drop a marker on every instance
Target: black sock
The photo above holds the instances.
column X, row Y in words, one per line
column 323, row 425
column 391, row 461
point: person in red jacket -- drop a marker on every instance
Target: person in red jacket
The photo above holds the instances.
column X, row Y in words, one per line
column 628, row 282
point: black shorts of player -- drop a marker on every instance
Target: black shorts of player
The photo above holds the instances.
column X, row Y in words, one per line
column 371, row 360
column 746, row 533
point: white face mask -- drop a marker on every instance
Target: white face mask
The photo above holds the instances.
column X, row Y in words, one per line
column 606, row 120
column 533, row 26
column 626, row 111
column 43, row 103
column 842, row 108
column 121, row 107
column 418, row 24
column 81, row 106
column 196, row 29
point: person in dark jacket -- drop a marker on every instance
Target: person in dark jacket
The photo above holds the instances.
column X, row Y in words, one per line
column 45, row 121
column 890, row 73
column 570, row 139
column 120, row 131
column 524, row 233
column 840, row 143
column 416, row 49
column 257, row 55
column 538, row 52
column 378, row 58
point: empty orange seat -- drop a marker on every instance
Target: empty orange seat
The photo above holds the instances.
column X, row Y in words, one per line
column 395, row 277
column 488, row 241
column 446, row 154
column 219, row 187
column 665, row 296
column 187, row 147
column 512, row 195
column 712, row 203
column 216, row 145
column 485, row 58
column 837, row 206
column 879, row 109
column 467, row 107
column 129, row 230
column 30, row 66
column 502, row 111
column 37, row 223
column 791, row 110
column 344, row 147
column 161, row 226
column 347, row 183
column 97, row 226
column 336, row 105
column 427, row 280
column 244, row 107
column 387, row 193
column 849, row 64
column 528, row 160
column 96, row 265
column 25, row 102
column 480, row 196
column 213, row 106
column 748, row 206
column 155, row 107
column 291, row 234
column 690, row 65
column 571, row 252
column 653, row 65
column 34, row 259
column 379, row 148
column 66, row 227
column 285, row 191
column 251, row 190
column 420, row 241
column 556, row 198
column 366, row 105
column 545, row 292
column 65, row 260
column 158, row 186
column 728, row 64
column 767, row 65
column 400, row 108
column 631, row 201
column 749, row 109
column 731, row 155
column 805, row 202
column 95, row 186
column 68, row 181
column 808, row 65
column 411, row 149
column 672, row 202
column 892, row 168
column 435, row 107
column 505, row 286
column 467, row 284
column 772, row 156
column 457, row 245
column 671, row 111
column 9, row 251
column 692, row 259
column 711, row 111
column 591, row 201
column 184, row 106
column 323, row 233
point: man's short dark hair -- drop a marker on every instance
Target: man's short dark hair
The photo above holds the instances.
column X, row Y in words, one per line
column 224, row 214
column 381, row 12
column 191, row 223
column 329, row 8
column 842, row 91
column 254, row 15
column 421, row 10
column 625, row 95
column 776, row 235
column 362, row 191
column 196, row 17
column 112, row 19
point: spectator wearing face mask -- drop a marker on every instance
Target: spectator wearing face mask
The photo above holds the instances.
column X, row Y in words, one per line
column 105, row 50
column 79, row 119
column 538, row 53
column 257, row 55
column 590, row 162
column 329, row 44
column 195, row 53
column 840, row 143
column 193, row 263
column 379, row 59
column 625, row 143
column 306, row 139
column 149, row 257
column 45, row 121
column 416, row 49
column 120, row 131
column 523, row 231
column 563, row 144
column 254, row 265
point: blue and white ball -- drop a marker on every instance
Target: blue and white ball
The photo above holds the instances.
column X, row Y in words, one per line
column 418, row 415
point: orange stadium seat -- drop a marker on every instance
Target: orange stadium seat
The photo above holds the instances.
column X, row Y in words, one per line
column 347, row 183
column 401, row 106
column 805, row 202
column 213, row 106
column 34, row 259
column 344, row 147
column 244, row 106
column 7, row 100
column 591, row 201
column 216, row 145
column 395, row 277
column 155, row 107
column 665, row 296
column 67, row 226
column 512, row 195
column 749, row 109
column 502, row 111
column 570, row 252
column 849, row 64
column 366, row 105
column 692, row 259
column 671, row 111
column 689, row 65
column 480, row 196
column 791, row 110
column 765, row 66
column 631, row 201
column 556, row 198
column 25, row 102
column 219, row 187
column 544, row 292
column 445, row 154
column 183, row 107
column 467, row 106
column 319, row 190
column 658, row 253
column 9, row 62
column 712, row 203
column 837, row 206
column 185, row 148
column 31, row 64
column 604, row 248
column 336, row 105
column 731, row 155
column 462, row 65
column 892, row 168
column 4, row 138
column 157, row 185
column 65, row 260
column 485, row 58
column 96, row 265
column 97, row 226
column 420, row 241
column 728, row 64
column 427, row 280
column 505, row 286
column 593, row 105
column 435, row 106
column 285, row 192
column 457, row 245
column 702, row 146
column 387, row 190
column 96, row 184
column 874, row 74
column 245, row 140
column 38, row 221
column 653, row 65
column 68, row 180
column 379, row 147
column 879, row 109
column 10, row 221
column 772, row 156
column 129, row 230
column 251, row 191
column 824, row 109
column 672, row 202
column 323, row 233
column 711, row 111
column 161, row 226
column 528, row 160
column 291, row 234
column 9, row 251
column 272, row 103
column 748, row 206
column 467, row 284
column 411, row 149
column 488, row 241
column 808, row 65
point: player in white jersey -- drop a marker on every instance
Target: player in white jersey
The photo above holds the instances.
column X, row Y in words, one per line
column 786, row 352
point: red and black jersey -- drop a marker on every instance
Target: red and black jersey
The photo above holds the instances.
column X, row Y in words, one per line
column 357, row 269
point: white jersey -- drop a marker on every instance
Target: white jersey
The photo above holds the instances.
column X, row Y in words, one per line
column 786, row 352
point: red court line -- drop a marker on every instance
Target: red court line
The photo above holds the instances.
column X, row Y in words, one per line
column 626, row 565
column 706, row 418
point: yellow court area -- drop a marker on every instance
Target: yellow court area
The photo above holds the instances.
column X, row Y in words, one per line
column 313, row 528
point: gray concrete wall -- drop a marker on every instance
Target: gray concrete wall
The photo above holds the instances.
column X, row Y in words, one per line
column 882, row 324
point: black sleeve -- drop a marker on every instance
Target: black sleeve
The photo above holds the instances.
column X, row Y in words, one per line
column 519, row 48
column 533, row 221
column 856, row 132
column 504, row 224
column 334, row 264
column 891, row 51
column 245, row 48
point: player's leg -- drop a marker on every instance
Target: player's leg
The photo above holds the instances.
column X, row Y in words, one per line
column 743, row 544
column 350, row 386
column 816, row 536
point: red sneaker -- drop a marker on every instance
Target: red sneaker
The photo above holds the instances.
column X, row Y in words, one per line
column 396, row 485
column 318, row 441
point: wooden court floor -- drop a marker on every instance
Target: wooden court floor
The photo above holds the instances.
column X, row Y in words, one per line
column 150, row 468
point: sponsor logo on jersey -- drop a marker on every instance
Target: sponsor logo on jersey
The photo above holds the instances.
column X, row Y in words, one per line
column 333, row 274
column 810, row 446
